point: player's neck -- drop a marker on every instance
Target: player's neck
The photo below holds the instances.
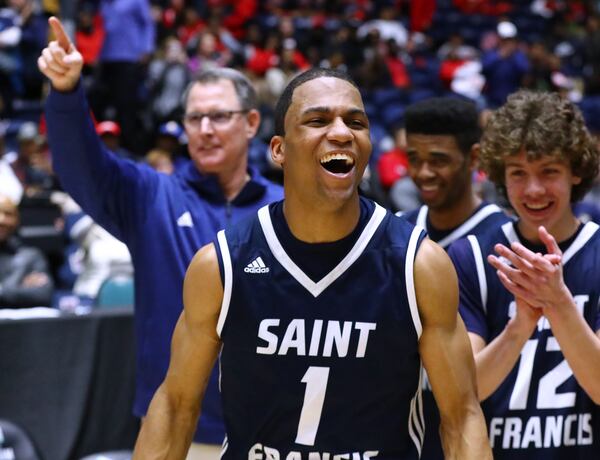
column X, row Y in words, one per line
column 313, row 223
column 451, row 217
column 562, row 230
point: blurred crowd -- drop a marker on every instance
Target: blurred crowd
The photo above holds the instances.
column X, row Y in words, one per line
column 139, row 56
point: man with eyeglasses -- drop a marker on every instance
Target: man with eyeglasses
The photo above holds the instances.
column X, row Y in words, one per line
column 163, row 219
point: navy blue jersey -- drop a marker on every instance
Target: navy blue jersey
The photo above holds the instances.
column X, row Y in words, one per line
column 587, row 211
column 539, row 412
column 485, row 216
column 329, row 367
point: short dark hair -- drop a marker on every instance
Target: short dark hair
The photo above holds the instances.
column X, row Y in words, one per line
column 285, row 100
column 543, row 125
column 243, row 87
column 445, row 116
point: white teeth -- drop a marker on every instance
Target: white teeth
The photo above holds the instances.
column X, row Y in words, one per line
column 537, row 206
column 337, row 156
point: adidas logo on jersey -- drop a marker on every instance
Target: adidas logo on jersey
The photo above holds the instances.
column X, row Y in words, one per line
column 185, row 220
column 256, row 266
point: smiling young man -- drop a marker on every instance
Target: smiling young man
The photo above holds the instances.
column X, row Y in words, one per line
column 534, row 318
column 442, row 135
column 162, row 219
column 321, row 311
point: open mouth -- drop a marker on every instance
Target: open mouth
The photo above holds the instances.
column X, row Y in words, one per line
column 338, row 163
column 538, row 207
column 428, row 188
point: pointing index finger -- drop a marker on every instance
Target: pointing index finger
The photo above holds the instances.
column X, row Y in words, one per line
column 60, row 34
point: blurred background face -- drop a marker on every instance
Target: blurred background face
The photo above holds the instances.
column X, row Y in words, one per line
column 438, row 168
column 9, row 218
column 207, row 45
column 174, row 51
column 85, row 20
column 27, row 149
column 167, row 143
column 218, row 146
column 17, row 4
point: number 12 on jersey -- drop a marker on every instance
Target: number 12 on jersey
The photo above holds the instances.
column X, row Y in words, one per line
column 548, row 396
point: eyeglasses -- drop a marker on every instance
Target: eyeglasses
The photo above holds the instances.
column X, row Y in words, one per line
column 216, row 117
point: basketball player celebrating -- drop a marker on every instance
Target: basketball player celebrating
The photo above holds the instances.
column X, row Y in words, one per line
column 442, row 135
column 533, row 319
column 321, row 309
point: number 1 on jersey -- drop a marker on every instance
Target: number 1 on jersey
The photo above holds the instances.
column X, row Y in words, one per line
column 314, row 397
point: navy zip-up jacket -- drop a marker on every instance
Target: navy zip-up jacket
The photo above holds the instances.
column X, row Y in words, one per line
column 162, row 219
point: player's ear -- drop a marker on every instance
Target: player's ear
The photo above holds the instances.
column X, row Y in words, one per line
column 474, row 156
column 277, row 150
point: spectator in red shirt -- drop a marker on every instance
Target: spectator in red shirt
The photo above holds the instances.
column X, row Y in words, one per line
column 89, row 35
column 393, row 164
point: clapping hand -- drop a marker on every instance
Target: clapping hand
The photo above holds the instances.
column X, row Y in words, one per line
column 532, row 277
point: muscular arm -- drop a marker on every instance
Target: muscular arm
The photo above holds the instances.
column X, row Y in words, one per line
column 447, row 357
column 169, row 426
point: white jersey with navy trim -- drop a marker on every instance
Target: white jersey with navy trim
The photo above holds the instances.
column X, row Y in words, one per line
column 539, row 412
column 327, row 368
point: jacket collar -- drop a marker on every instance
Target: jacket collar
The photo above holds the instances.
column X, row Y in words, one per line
column 208, row 186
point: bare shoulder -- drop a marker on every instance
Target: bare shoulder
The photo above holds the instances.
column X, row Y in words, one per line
column 433, row 263
column 436, row 283
column 202, row 287
column 204, row 260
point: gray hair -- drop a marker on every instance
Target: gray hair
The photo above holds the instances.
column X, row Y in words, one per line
column 243, row 87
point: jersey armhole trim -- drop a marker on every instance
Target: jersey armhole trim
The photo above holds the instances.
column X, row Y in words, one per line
column 421, row 220
column 409, row 276
column 227, row 280
column 480, row 268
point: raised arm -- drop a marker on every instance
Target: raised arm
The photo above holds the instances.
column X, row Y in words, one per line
column 168, row 428
column 60, row 61
column 114, row 192
column 445, row 350
column 538, row 280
